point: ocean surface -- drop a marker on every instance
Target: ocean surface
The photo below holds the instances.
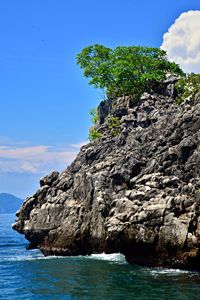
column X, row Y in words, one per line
column 28, row 275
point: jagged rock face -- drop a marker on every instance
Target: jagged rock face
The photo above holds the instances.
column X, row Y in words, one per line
column 137, row 193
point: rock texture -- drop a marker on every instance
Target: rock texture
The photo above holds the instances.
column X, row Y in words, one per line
column 135, row 190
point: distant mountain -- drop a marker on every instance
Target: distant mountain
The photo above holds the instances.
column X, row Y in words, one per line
column 9, row 203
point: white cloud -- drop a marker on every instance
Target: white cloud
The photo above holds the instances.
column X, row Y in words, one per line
column 36, row 159
column 182, row 41
column 22, row 152
column 26, row 166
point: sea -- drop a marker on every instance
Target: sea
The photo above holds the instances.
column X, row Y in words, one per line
column 29, row 275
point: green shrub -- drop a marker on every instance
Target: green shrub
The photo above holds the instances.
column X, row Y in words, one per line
column 94, row 134
column 114, row 125
column 94, row 115
column 187, row 87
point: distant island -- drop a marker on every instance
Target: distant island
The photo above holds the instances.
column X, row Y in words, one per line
column 9, row 203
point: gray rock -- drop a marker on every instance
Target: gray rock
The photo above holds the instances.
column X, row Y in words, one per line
column 136, row 193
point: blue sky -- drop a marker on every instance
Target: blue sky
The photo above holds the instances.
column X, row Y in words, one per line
column 44, row 99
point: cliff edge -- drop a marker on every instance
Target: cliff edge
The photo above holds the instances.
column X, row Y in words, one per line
column 135, row 190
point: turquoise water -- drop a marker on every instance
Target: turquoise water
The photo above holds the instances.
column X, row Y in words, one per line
column 28, row 275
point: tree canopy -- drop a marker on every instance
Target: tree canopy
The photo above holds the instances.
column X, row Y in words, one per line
column 125, row 70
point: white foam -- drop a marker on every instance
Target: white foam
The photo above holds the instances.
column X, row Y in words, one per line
column 167, row 272
column 114, row 257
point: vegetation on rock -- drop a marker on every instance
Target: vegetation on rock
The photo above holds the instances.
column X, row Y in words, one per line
column 187, row 87
column 94, row 134
column 94, row 115
column 113, row 124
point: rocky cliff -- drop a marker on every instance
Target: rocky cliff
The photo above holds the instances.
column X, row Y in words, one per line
column 135, row 190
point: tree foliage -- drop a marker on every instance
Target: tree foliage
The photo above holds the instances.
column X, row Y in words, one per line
column 125, row 70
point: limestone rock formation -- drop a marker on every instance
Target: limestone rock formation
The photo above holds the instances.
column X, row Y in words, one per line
column 136, row 191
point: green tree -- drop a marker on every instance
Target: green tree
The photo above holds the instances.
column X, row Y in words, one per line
column 125, row 70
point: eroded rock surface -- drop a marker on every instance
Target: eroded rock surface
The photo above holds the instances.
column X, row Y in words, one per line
column 137, row 193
